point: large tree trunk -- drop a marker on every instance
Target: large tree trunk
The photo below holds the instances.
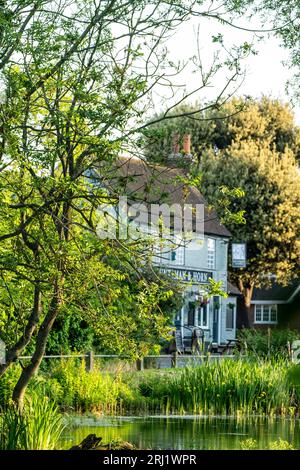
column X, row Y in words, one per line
column 41, row 341
column 247, row 291
column 15, row 351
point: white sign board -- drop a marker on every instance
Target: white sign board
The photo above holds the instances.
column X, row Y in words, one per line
column 239, row 255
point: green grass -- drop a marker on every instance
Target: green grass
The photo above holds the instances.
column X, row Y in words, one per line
column 226, row 387
column 38, row 427
column 70, row 386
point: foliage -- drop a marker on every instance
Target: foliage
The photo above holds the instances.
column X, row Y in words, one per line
column 38, row 427
column 225, row 387
column 70, row 386
column 294, row 380
column 74, row 96
column 249, row 174
column 248, row 444
column 12, row 429
column 270, row 182
column 263, row 343
column 71, row 332
column 238, row 120
column 282, row 20
column 75, row 89
column 7, row 384
column 279, row 444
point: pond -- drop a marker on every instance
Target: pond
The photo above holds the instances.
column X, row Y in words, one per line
column 188, row 432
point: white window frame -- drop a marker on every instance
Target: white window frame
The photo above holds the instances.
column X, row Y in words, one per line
column 262, row 321
column 179, row 251
column 233, row 309
column 200, row 324
column 211, row 253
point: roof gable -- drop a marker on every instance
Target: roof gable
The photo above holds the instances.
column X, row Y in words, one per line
column 155, row 184
column 276, row 292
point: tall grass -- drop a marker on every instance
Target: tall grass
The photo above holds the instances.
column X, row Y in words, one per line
column 268, row 343
column 225, row 387
column 12, row 429
column 38, row 427
column 70, row 386
column 228, row 387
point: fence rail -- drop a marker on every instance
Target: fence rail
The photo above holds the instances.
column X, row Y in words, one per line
column 161, row 361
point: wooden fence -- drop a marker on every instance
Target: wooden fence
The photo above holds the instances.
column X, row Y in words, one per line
column 163, row 361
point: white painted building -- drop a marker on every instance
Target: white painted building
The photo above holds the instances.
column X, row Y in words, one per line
column 194, row 266
column 205, row 257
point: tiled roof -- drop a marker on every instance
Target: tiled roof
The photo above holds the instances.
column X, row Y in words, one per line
column 144, row 182
column 276, row 292
column 232, row 289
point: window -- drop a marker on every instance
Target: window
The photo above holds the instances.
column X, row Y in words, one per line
column 177, row 256
column 177, row 251
column 211, row 253
column 203, row 316
column 265, row 313
column 191, row 314
column 230, row 317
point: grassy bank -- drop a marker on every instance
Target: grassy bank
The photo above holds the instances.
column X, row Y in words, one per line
column 38, row 427
column 229, row 387
column 225, row 388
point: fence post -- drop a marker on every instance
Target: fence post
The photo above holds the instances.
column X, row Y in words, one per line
column 269, row 341
column 174, row 359
column 140, row 364
column 89, row 361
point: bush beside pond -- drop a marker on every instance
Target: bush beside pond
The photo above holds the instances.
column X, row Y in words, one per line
column 227, row 387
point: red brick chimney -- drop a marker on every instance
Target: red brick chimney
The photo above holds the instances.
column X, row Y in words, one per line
column 180, row 156
column 175, row 144
column 187, row 143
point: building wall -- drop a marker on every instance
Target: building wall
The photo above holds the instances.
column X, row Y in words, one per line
column 290, row 317
column 195, row 258
column 281, row 309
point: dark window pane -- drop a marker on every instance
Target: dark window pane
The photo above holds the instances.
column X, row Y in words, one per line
column 204, row 315
column 229, row 317
column 274, row 313
column 258, row 313
column 266, row 311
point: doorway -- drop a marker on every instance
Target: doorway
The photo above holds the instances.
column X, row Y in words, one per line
column 216, row 314
column 191, row 314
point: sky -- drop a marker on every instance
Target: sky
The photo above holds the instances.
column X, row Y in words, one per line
column 266, row 74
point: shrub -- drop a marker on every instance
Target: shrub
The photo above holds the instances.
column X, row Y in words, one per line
column 38, row 427
column 248, row 444
column 225, row 387
column 259, row 343
column 71, row 386
column 280, row 444
column 7, row 383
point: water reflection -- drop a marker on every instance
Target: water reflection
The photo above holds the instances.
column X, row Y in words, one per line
column 189, row 432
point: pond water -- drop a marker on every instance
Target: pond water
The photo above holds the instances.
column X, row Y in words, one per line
column 188, row 432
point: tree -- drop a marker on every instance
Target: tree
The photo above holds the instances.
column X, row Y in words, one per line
column 251, row 154
column 77, row 80
column 276, row 18
column 270, row 182
column 239, row 119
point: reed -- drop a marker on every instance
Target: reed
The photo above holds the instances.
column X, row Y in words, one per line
column 38, row 427
column 227, row 387
column 70, row 386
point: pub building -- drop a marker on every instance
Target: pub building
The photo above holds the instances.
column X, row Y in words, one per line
column 192, row 263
